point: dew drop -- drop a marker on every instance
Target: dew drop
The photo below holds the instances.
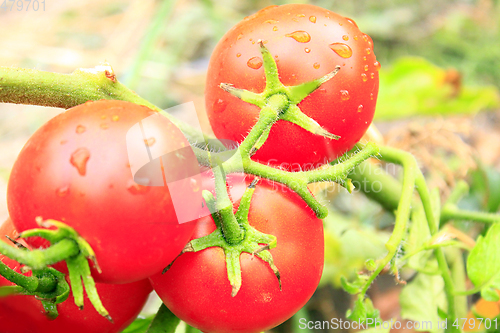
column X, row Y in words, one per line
column 254, row 63
column 301, row 15
column 307, row 50
column 345, row 37
column 115, row 118
column 377, row 65
column 136, row 189
column 364, row 77
column 351, row 21
column 316, row 65
column 149, row 142
column 240, row 36
column 360, row 108
column 300, row 36
column 312, row 19
column 62, row 191
column 271, row 21
column 79, row 160
column 194, row 185
column 372, row 75
column 104, row 126
column 368, row 50
column 80, row 129
column 365, row 38
column 366, row 68
column 355, row 37
column 344, row 95
column 238, row 55
column 364, row 58
column 275, row 28
column 371, row 96
column 341, row 49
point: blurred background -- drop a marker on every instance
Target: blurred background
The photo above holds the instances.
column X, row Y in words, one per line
column 439, row 96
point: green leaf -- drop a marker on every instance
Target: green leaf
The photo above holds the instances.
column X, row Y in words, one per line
column 354, row 287
column 140, row 325
column 483, row 263
column 414, row 86
column 490, row 295
column 164, row 322
column 421, row 299
column 363, row 309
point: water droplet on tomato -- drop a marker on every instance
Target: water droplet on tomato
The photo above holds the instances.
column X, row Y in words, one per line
column 351, row 21
column 238, row 55
column 364, row 58
column 371, row 96
column 271, row 21
column 360, row 108
column 307, row 50
column 301, row 15
column 341, row 49
column 344, row 95
column 240, row 36
column 149, row 142
column 365, row 38
column 194, row 185
column 62, row 191
column 345, row 37
column 275, row 28
column 364, row 77
column 79, row 160
column 136, row 189
column 316, row 65
column 355, row 37
column 80, row 129
column 372, row 75
column 254, row 63
column 104, row 126
column 312, row 19
column 300, row 36
column 366, row 68
column 377, row 65
column 115, row 118
column 368, row 50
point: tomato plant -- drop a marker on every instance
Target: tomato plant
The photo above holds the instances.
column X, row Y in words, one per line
column 76, row 169
column 196, row 288
column 307, row 42
column 24, row 314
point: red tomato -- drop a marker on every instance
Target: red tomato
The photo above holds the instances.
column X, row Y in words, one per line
column 76, row 169
column 307, row 42
column 197, row 290
column 24, row 314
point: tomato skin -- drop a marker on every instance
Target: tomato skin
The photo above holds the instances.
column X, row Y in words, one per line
column 196, row 287
column 24, row 314
column 133, row 229
column 339, row 112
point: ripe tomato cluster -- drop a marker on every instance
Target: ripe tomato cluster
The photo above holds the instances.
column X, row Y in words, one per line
column 77, row 169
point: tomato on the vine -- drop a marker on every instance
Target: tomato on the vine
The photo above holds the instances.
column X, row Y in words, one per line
column 76, row 169
column 307, row 42
column 25, row 314
column 196, row 287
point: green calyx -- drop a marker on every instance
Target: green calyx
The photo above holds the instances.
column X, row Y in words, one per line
column 48, row 284
column 290, row 96
column 250, row 243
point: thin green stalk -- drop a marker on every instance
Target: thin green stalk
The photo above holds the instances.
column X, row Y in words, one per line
column 156, row 27
column 423, row 191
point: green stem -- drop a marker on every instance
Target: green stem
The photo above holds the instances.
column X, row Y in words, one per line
column 35, row 87
column 452, row 212
column 423, row 191
column 27, row 282
column 39, row 259
column 403, row 212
